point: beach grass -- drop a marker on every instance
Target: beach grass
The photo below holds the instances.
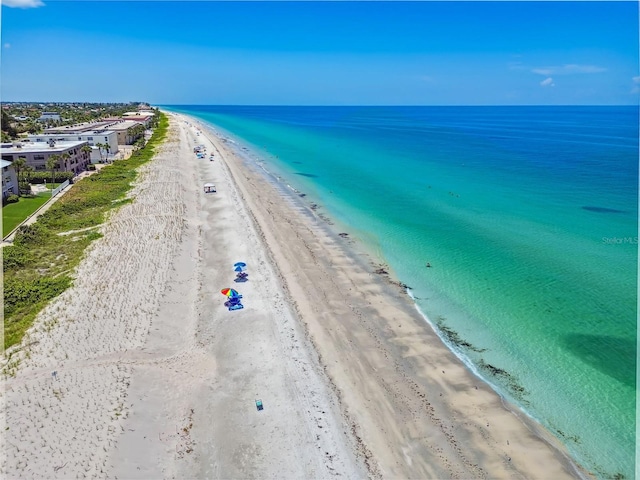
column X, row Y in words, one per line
column 15, row 213
column 39, row 265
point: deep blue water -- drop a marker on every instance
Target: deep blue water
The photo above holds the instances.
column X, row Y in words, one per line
column 528, row 216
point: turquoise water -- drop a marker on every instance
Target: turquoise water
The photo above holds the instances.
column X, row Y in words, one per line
column 528, row 216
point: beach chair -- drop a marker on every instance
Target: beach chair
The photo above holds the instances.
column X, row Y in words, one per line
column 236, row 306
column 259, row 405
column 232, row 301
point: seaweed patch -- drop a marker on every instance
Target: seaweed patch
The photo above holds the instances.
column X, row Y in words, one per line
column 454, row 337
column 509, row 381
column 573, row 438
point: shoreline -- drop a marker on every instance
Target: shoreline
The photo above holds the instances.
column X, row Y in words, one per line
column 526, row 420
column 154, row 378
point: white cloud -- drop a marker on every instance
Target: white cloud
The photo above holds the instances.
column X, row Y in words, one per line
column 7, row 45
column 22, row 3
column 547, row 82
column 636, row 79
column 568, row 69
column 572, row 68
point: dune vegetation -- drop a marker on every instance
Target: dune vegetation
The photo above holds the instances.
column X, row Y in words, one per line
column 39, row 265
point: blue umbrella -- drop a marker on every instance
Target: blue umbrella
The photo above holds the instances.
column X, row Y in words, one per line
column 239, row 264
column 239, row 269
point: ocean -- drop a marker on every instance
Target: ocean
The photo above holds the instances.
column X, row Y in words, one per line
column 528, row 217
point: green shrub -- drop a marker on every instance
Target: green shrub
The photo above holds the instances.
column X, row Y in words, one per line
column 94, row 236
column 42, row 177
column 12, row 199
column 14, row 257
column 19, row 292
column 34, row 234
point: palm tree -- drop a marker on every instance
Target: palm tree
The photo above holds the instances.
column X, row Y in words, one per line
column 65, row 157
column 51, row 165
column 19, row 165
column 100, row 147
column 28, row 170
column 86, row 149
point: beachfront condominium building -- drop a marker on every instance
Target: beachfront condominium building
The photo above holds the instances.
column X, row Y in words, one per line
column 146, row 118
column 36, row 155
column 127, row 131
column 9, row 179
column 92, row 137
column 78, row 128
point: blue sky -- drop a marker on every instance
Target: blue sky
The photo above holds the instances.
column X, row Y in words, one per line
column 321, row 53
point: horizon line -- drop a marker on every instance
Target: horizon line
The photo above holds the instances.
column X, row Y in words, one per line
column 152, row 104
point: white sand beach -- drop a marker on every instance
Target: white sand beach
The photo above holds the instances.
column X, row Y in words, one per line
column 155, row 378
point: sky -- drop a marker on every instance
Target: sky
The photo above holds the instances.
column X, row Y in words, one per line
column 321, row 53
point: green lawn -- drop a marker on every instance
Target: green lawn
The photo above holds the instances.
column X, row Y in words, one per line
column 14, row 213
column 51, row 186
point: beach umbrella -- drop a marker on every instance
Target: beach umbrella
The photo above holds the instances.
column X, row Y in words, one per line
column 239, row 269
column 239, row 264
column 229, row 292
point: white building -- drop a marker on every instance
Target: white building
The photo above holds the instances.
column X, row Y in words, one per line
column 143, row 117
column 127, row 131
column 9, row 179
column 108, row 137
column 79, row 127
column 36, row 155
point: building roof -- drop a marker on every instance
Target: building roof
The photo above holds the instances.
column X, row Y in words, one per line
column 77, row 128
column 37, row 147
column 54, row 135
column 140, row 118
column 138, row 114
column 123, row 125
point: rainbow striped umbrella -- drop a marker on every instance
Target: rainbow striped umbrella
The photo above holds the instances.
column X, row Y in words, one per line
column 230, row 292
